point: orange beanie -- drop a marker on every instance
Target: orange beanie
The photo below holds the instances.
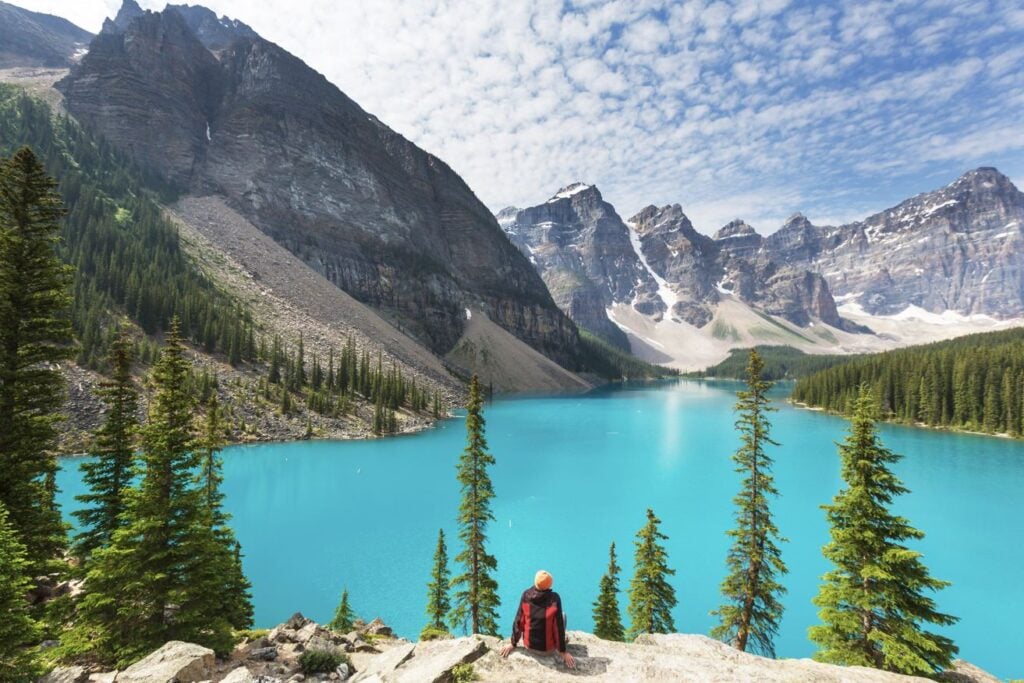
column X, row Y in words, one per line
column 542, row 581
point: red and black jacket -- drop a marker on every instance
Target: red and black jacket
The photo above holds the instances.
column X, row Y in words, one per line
column 539, row 621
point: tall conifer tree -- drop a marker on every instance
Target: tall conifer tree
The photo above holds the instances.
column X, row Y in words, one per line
column 476, row 597
column 750, row 617
column 109, row 475
column 161, row 577
column 438, row 601
column 17, row 629
column 236, row 599
column 35, row 336
column 651, row 597
column 607, row 618
column 873, row 602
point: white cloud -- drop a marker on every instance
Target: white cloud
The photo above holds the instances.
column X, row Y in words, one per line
column 738, row 108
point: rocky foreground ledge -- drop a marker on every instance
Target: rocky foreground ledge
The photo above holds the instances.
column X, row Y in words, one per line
column 375, row 656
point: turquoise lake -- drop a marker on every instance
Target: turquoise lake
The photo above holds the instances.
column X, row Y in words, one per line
column 575, row 473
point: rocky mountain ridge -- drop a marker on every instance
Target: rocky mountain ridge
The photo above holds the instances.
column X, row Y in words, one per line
column 950, row 261
column 216, row 110
column 657, row 264
column 959, row 248
column 35, row 39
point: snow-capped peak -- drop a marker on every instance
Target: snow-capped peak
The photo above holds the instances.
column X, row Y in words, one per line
column 569, row 191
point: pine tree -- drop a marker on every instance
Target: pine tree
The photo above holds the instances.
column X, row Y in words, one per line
column 872, row 603
column 17, row 629
column 235, row 596
column 344, row 618
column 438, row 602
column 750, row 617
column 607, row 618
column 110, row 474
column 476, row 600
column 651, row 598
column 35, row 335
column 161, row 578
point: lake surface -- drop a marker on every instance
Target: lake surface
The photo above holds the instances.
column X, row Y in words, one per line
column 575, row 473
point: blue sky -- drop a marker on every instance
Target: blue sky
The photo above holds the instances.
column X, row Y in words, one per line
column 750, row 109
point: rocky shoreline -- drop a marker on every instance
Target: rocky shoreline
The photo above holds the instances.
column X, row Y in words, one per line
column 370, row 653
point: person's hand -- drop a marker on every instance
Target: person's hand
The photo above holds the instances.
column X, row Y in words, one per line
column 568, row 660
column 507, row 650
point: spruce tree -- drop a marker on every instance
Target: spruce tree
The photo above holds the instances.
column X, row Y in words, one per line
column 873, row 602
column 438, row 602
column 109, row 475
column 17, row 629
column 476, row 598
column 344, row 618
column 35, row 336
column 607, row 618
column 651, row 597
column 750, row 617
column 235, row 595
column 161, row 578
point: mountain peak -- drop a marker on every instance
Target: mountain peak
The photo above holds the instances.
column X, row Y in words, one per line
column 734, row 228
column 213, row 32
column 129, row 11
column 797, row 220
column 571, row 190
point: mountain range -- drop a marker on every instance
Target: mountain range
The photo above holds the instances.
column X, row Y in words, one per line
column 939, row 264
column 233, row 130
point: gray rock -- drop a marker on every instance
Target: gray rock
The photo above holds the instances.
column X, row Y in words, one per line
column 108, row 677
column 343, row 671
column 264, row 654
column 175, row 662
column 66, row 674
column 425, row 662
column 378, row 628
column 239, row 675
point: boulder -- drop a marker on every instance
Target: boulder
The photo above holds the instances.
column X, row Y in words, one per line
column 378, row 628
column 965, row 672
column 296, row 621
column 343, row 671
column 175, row 662
column 66, row 674
column 263, row 654
column 425, row 662
column 108, row 677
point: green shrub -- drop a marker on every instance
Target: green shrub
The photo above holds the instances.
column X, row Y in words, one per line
column 431, row 632
column 321, row 661
column 250, row 634
column 463, row 673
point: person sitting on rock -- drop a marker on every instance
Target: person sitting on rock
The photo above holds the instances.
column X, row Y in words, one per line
column 540, row 621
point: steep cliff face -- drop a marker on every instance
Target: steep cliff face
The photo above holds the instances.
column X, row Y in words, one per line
column 36, row 39
column 684, row 259
column 582, row 249
column 657, row 265
column 959, row 248
column 214, row 109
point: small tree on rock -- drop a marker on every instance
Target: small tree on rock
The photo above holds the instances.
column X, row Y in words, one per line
column 651, row 597
column 607, row 618
column 344, row 618
column 438, row 602
column 873, row 602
